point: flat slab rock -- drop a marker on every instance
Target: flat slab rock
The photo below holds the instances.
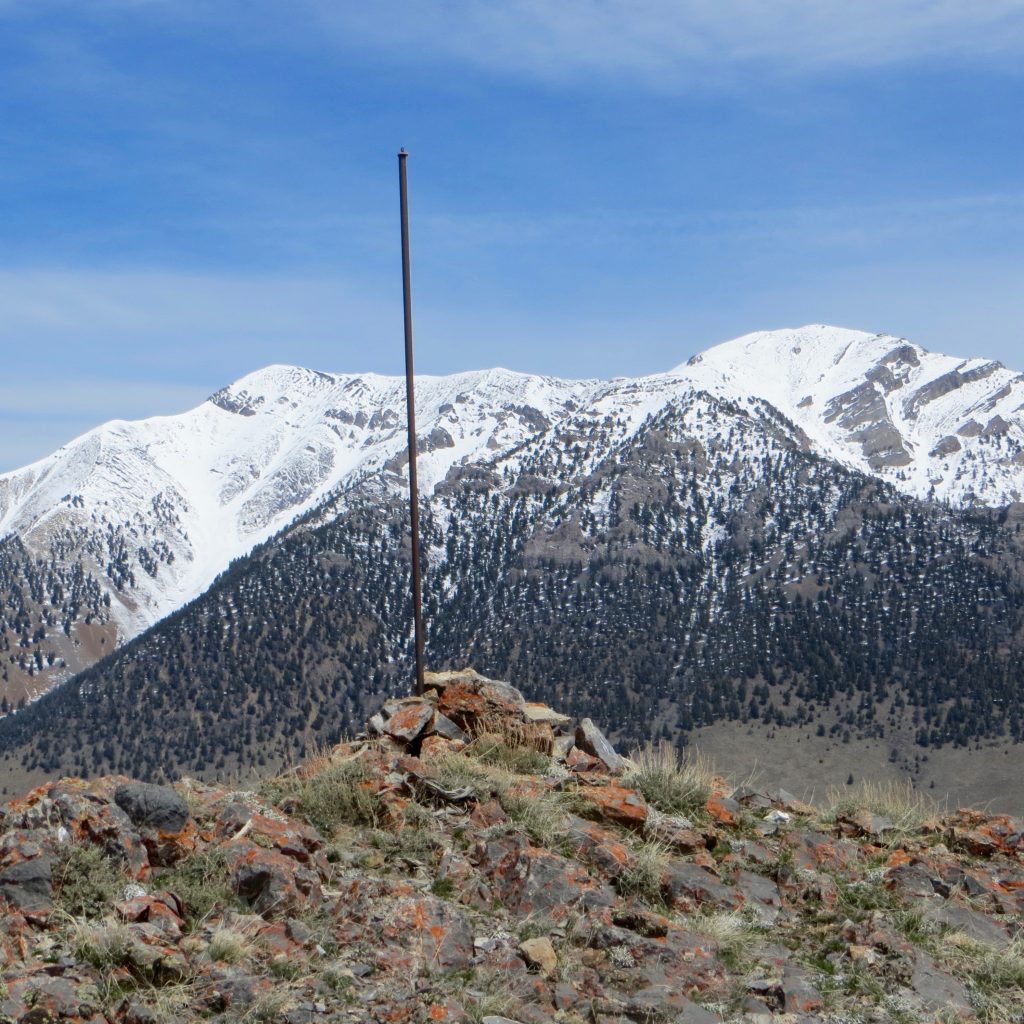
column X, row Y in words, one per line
column 590, row 739
column 936, row 989
column 408, row 722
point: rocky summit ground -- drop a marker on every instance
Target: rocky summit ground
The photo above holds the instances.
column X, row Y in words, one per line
column 474, row 857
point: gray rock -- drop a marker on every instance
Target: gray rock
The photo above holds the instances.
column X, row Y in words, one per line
column 799, row 994
column 593, row 741
column 936, row 989
column 751, row 797
column 503, row 691
column 446, row 728
column 914, row 880
column 542, row 713
column 28, row 884
column 688, row 884
column 868, row 823
column 149, row 806
column 760, row 894
column 972, row 923
column 561, row 747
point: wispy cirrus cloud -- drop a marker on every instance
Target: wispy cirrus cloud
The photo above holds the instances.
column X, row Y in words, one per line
column 674, row 42
column 658, row 43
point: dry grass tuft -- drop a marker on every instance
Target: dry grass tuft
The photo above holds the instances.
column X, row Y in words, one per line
column 519, row 760
column 907, row 808
column 338, row 794
column 994, row 975
column 229, row 946
column 103, row 944
column 737, row 937
column 642, row 876
column 669, row 781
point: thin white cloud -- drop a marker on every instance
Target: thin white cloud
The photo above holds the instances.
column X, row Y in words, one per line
column 672, row 42
column 657, row 43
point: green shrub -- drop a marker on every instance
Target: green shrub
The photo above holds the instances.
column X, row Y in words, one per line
column 201, row 883
column 86, row 881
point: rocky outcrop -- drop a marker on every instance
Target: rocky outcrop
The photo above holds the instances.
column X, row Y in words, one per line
column 474, row 856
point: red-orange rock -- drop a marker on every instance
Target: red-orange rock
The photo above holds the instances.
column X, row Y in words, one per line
column 408, row 722
column 616, row 803
column 462, row 705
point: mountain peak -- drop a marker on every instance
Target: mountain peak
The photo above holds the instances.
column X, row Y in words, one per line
column 883, row 405
column 157, row 508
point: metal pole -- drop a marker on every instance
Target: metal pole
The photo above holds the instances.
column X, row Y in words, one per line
column 410, row 401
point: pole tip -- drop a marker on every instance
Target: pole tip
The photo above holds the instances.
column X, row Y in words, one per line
column 402, row 152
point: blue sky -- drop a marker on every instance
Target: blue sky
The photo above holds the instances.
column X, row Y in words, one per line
column 191, row 189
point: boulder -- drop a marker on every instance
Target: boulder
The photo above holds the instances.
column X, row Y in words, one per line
column 937, row 990
column 447, row 729
column 688, row 886
column 272, row 883
column 152, row 807
column 438, row 932
column 532, row 881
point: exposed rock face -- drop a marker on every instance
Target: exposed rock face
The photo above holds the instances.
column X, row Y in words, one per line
column 863, row 413
column 502, row 875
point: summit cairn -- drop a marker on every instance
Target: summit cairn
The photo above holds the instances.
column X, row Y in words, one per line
column 459, row 707
column 476, row 858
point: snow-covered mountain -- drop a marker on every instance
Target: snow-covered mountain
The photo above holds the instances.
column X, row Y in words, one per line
column 936, row 426
column 157, row 508
column 154, row 510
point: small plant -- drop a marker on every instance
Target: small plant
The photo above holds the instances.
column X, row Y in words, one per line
column 201, row 883
column 484, row 781
column 860, row 898
column 283, row 967
column 267, row 1009
column 642, row 876
column 86, row 881
column 104, row 945
column 487, row 994
column 994, row 975
column 671, row 783
column 443, row 888
column 541, row 818
column 518, row 760
column 339, row 981
column 229, row 946
column 412, row 841
column 338, row 794
column 737, row 937
column 534, row 928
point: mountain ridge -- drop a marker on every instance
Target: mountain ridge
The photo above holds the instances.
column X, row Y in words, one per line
column 134, row 519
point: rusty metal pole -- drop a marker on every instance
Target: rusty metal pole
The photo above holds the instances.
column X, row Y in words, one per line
column 410, row 401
